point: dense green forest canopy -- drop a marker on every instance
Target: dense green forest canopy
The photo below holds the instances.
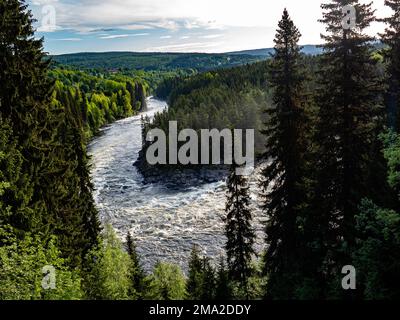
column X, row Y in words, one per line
column 114, row 61
column 99, row 99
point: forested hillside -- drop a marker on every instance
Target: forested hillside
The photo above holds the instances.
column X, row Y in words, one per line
column 98, row 100
column 154, row 61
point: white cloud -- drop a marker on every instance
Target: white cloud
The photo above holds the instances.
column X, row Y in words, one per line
column 212, row 36
column 184, row 47
column 118, row 36
column 139, row 34
column 134, row 27
column 69, row 39
column 115, row 36
column 165, row 37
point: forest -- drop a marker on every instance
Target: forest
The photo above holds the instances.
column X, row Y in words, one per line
column 96, row 100
column 327, row 136
column 154, row 61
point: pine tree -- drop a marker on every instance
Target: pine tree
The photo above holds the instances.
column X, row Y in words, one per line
column 349, row 118
column 138, row 275
column 238, row 230
column 283, row 175
column 194, row 283
column 391, row 38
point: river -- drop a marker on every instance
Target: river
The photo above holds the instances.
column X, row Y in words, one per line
column 165, row 222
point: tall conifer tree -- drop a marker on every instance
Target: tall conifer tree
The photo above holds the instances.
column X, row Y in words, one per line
column 223, row 289
column 24, row 100
column 195, row 280
column 350, row 116
column 282, row 184
column 138, row 274
column 238, row 230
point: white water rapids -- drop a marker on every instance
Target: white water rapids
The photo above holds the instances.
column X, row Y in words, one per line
column 164, row 222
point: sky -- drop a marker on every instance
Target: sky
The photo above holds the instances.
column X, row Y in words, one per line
column 70, row 26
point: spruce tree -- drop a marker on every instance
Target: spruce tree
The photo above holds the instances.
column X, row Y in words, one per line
column 24, row 100
column 15, row 185
column 194, row 283
column 238, row 230
column 223, row 289
column 208, row 280
column 391, row 38
column 283, row 176
column 138, row 275
column 350, row 115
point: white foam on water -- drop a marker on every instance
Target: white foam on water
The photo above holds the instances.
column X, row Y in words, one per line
column 165, row 223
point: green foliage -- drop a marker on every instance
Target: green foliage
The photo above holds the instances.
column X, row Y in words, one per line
column 167, row 282
column 392, row 156
column 15, row 186
column 378, row 235
column 21, row 264
column 110, row 267
column 377, row 257
column 98, row 100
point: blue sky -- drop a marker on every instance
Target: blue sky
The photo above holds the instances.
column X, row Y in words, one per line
column 172, row 25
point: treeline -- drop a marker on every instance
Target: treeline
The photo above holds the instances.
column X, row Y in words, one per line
column 98, row 100
column 125, row 61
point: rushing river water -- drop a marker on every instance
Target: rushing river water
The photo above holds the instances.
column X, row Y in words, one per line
column 164, row 221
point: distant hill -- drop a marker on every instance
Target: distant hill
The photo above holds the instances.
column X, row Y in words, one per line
column 154, row 61
column 307, row 49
